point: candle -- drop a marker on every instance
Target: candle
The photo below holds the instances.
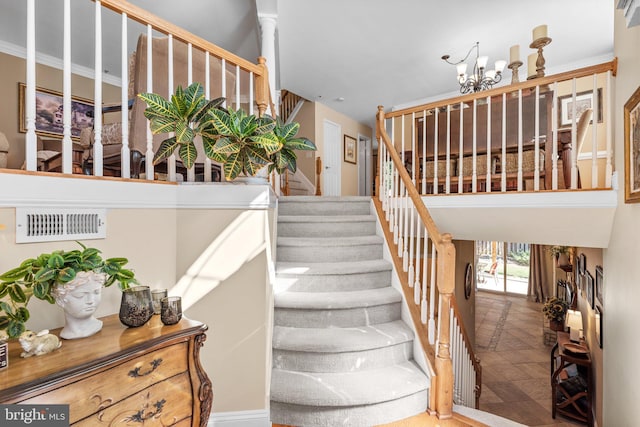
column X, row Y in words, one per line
column 539, row 32
column 514, row 53
column 531, row 64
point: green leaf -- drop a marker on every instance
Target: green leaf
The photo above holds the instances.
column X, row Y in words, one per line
column 4, row 289
column 110, row 281
column 300, row 144
column 163, row 124
column 201, row 113
column 221, row 121
column 226, row 146
column 44, row 275
column 6, row 308
column 268, row 142
column 16, row 293
column 15, row 328
column 184, row 133
column 40, row 290
column 158, row 105
column 194, row 99
column 125, row 274
column 188, row 154
column 22, row 314
column 66, row 275
column 90, row 252
column 16, row 273
column 166, row 149
column 118, row 261
column 4, row 322
column 287, row 131
column 234, row 165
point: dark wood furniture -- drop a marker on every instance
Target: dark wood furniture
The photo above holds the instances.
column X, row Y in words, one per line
column 148, row 374
column 571, row 384
column 54, row 164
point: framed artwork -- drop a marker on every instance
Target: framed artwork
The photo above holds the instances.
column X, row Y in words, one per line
column 582, row 264
column 590, row 290
column 599, row 283
column 49, row 113
column 584, row 100
column 350, row 150
column 468, row 281
column 632, row 149
column 598, row 325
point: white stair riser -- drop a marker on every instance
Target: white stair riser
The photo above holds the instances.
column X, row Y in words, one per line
column 326, row 208
column 326, row 229
column 342, row 362
column 333, row 282
column 344, row 318
column 352, row 416
column 329, row 254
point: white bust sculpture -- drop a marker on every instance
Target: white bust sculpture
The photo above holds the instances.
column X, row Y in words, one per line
column 79, row 299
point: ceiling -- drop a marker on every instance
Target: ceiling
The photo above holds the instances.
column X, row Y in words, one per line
column 366, row 52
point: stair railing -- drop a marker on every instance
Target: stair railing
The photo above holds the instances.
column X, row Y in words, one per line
column 467, row 385
column 425, row 261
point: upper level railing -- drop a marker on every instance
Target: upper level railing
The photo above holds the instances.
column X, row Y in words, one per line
column 164, row 57
column 522, row 137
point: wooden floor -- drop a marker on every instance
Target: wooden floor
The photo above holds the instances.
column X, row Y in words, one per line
column 515, row 361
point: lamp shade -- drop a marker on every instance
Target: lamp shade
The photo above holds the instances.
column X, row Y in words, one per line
column 574, row 322
column 482, row 61
column 500, row 64
column 462, row 68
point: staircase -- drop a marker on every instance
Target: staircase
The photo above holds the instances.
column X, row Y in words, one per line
column 341, row 354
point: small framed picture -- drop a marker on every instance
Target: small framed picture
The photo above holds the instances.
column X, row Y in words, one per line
column 632, row 148
column 350, row 150
column 599, row 284
column 598, row 325
column 584, row 101
column 590, row 290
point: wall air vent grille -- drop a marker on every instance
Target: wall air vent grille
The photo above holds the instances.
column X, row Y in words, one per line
column 49, row 225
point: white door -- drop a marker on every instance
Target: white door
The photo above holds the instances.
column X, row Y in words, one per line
column 364, row 166
column 332, row 159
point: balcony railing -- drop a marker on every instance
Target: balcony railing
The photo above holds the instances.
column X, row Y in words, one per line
column 523, row 137
column 164, row 57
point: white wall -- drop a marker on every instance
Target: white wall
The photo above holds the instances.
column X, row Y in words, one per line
column 622, row 269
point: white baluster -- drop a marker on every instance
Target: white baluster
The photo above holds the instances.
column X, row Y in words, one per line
column 237, row 87
column 31, row 149
column 191, row 172
column 461, row 148
column 251, row 78
column 414, row 149
column 474, row 154
column 594, row 134
column 424, row 152
column 425, row 260
column 207, row 95
column 125, row 154
column 554, row 140
column 435, row 151
column 411, row 272
column 519, row 139
column 489, row 157
column 149, row 153
column 574, row 147
column 418, row 247
column 171, row 161
column 609, row 135
column 503, row 161
column 536, row 137
column 448, row 165
column 405, row 252
column 66, row 87
column 432, row 296
column 223, row 82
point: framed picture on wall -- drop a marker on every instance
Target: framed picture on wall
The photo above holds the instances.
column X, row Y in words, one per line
column 599, row 284
column 632, row 148
column 584, row 101
column 350, row 150
column 598, row 325
column 49, row 113
column 590, row 289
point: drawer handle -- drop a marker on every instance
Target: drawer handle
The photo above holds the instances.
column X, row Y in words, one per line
column 144, row 414
column 135, row 373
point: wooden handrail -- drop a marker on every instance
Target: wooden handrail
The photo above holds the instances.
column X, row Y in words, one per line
column 442, row 384
column 474, row 359
column 529, row 84
column 144, row 17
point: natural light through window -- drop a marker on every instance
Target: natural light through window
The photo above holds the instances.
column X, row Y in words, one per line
column 493, row 274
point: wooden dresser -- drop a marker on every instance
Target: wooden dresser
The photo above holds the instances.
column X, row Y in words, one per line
column 148, row 376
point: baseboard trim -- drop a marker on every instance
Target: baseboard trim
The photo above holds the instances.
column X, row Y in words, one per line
column 255, row 418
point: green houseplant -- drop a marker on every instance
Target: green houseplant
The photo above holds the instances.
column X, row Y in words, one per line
column 39, row 277
column 243, row 143
column 555, row 310
column 561, row 254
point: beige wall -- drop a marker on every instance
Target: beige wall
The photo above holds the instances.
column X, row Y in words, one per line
column 622, row 269
column 225, row 288
column 14, row 71
column 349, row 127
column 307, row 159
column 464, row 256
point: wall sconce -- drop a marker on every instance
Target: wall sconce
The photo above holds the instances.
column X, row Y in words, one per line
column 574, row 322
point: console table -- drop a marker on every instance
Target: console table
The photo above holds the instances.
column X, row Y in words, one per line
column 571, row 388
column 149, row 375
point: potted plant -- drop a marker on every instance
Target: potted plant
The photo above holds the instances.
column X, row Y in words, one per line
column 561, row 255
column 243, row 143
column 58, row 277
column 555, row 310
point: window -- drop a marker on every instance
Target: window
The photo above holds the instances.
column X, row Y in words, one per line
column 493, row 274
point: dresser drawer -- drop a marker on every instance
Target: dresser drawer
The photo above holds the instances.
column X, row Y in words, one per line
column 106, row 388
column 166, row 403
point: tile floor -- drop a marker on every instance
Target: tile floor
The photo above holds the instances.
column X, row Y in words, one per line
column 515, row 360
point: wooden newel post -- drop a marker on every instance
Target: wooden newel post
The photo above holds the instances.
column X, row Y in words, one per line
column 444, row 366
column 318, row 175
column 262, row 87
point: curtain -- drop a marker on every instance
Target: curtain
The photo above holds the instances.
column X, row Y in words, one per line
column 540, row 274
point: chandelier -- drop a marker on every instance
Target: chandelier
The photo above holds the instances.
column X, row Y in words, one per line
column 481, row 78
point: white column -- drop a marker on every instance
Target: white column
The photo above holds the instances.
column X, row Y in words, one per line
column 30, row 96
column 268, row 24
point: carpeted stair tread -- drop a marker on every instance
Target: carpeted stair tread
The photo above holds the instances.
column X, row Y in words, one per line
column 337, row 300
column 323, row 199
column 292, row 269
column 326, row 340
column 347, row 389
column 324, row 218
column 316, row 242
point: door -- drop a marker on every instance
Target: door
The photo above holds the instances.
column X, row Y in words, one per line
column 364, row 166
column 332, row 157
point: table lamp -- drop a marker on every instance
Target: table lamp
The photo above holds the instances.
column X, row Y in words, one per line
column 574, row 322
